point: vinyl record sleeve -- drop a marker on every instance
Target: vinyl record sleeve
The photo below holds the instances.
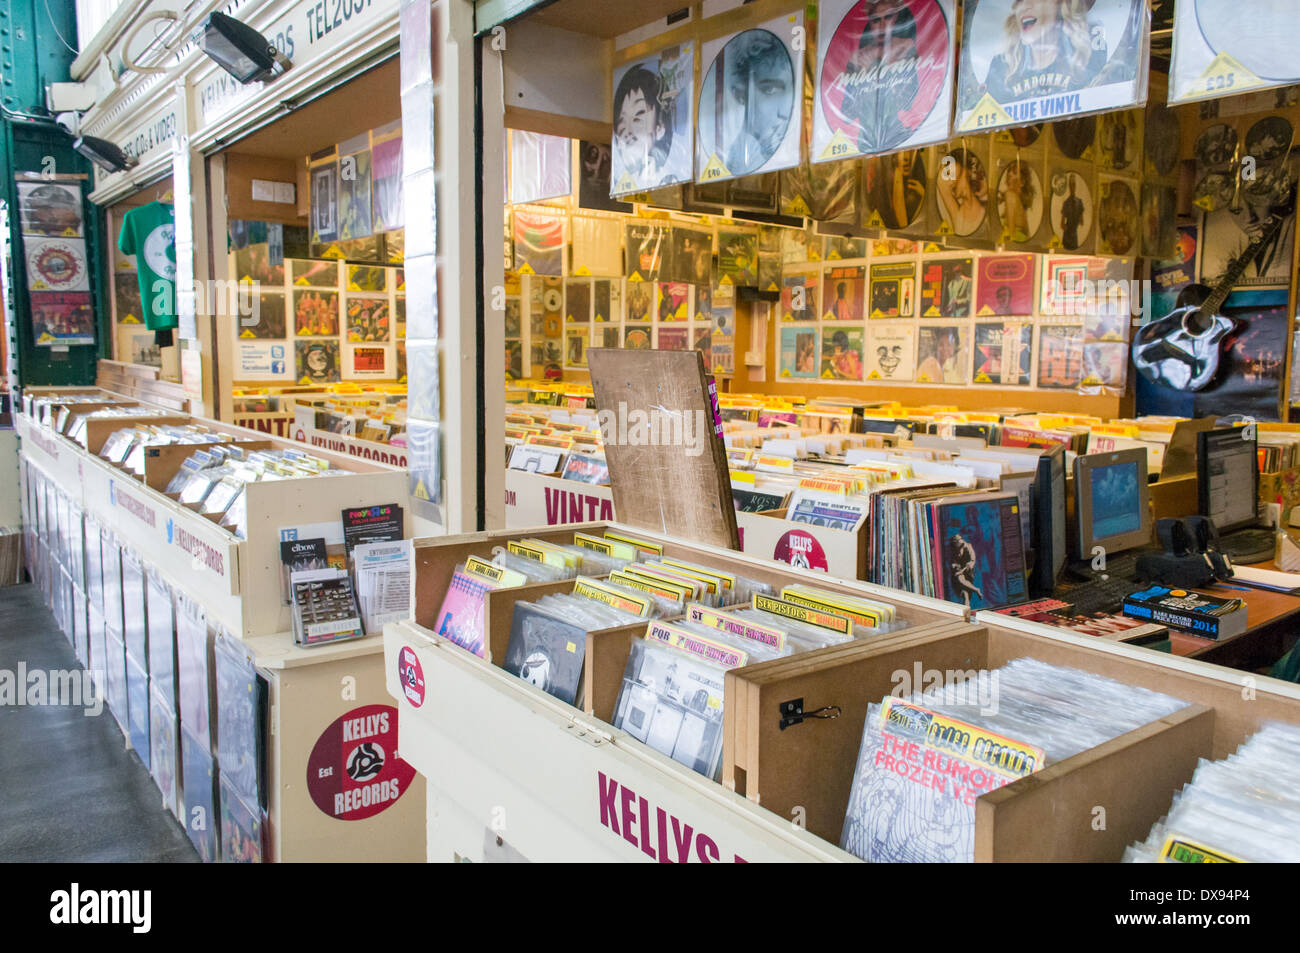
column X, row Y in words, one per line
column 50, row 209
column 883, row 79
column 798, row 357
column 942, row 354
column 1049, row 60
column 842, row 354
column 947, row 286
column 547, row 652
column 893, row 290
column 539, row 243
column 56, row 264
column 1224, row 48
column 962, row 189
column 1019, row 200
column 1060, row 355
column 62, row 317
column 799, row 296
column 541, row 167
column 748, row 115
column 1005, row 286
column 896, row 188
column 1117, row 216
column 843, row 293
column 1071, row 208
column 1119, row 141
column 652, row 121
column 1003, row 354
column 891, row 351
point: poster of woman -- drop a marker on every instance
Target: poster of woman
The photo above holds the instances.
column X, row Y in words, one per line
column 1028, row 61
column 652, row 121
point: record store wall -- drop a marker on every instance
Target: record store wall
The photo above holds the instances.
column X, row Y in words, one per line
column 928, row 227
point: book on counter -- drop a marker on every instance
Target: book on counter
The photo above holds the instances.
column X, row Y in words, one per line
column 1105, row 625
column 1206, row 616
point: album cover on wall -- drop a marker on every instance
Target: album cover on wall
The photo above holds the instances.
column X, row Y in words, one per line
column 1159, row 220
column 386, row 184
column 637, row 339
column 575, row 347
column 738, row 259
column 594, row 163
column 843, row 293
column 1026, row 62
column 1104, row 364
column 962, row 190
column 356, row 215
column 843, row 248
column 1060, row 355
column 325, row 202
column 1006, row 285
column 895, row 189
column 640, row 300
column 317, row 361
column 1003, row 353
column 368, row 320
column 1071, row 207
column 652, row 121
column 691, row 258
column 1225, row 47
column 893, row 290
column 674, row 339
column 1019, row 201
column 577, row 300
column 673, row 300
column 1075, row 139
column 50, row 209
column 942, row 354
column 1119, row 141
column 647, row 246
column 539, row 243
column 62, row 318
column 1163, row 140
column 842, row 354
column 748, row 117
column 1117, row 216
column 891, row 352
column 946, row 287
column 799, row 296
column 883, row 79
column 540, row 167
column 798, row 352
column 313, row 273
column 316, row 313
column 56, row 264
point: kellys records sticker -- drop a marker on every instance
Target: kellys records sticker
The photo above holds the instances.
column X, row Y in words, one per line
column 800, row 550
column 354, row 771
column 411, row 676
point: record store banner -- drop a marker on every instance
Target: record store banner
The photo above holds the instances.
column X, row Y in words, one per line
column 1226, row 47
column 1026, row 61
column 748, row 118
column 884, row 76
column 652, row 121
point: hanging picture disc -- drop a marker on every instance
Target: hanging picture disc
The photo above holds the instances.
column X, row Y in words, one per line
column 962, row 189
column 1072, row 209
column 1020, row 202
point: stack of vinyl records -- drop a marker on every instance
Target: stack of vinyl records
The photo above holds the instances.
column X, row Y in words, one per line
column 925, row 760
column 1242, row 809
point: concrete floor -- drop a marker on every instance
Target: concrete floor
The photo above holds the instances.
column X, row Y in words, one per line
column 70, row 789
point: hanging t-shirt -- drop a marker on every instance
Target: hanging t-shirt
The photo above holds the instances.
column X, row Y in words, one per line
column 149, row 233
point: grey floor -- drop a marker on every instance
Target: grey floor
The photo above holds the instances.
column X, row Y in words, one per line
column 70, row 790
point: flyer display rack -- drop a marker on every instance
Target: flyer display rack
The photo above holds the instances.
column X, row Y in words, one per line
column 100, row 540
column 529, row 777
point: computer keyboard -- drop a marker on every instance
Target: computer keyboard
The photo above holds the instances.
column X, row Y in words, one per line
column 1120, row 566
column 1099, row 595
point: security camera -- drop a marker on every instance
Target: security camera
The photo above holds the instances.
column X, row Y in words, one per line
column 70, row 123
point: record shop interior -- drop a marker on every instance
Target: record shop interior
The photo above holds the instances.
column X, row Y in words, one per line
column 840, row 409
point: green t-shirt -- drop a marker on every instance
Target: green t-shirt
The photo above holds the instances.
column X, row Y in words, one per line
column 149, row 233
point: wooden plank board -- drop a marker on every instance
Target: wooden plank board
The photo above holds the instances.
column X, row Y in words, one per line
column 678, row 485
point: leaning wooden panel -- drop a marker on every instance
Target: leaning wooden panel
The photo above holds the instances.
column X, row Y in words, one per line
column 669, row 474
column 1090, row 807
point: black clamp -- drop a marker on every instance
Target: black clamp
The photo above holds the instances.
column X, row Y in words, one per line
column 792, row 713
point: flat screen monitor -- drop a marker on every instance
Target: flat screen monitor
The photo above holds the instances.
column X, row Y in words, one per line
column 1227, row 477
column 1111, row 505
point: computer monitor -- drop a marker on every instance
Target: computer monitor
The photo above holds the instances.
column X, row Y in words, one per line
column 1111, row 505
column 1227, row 476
